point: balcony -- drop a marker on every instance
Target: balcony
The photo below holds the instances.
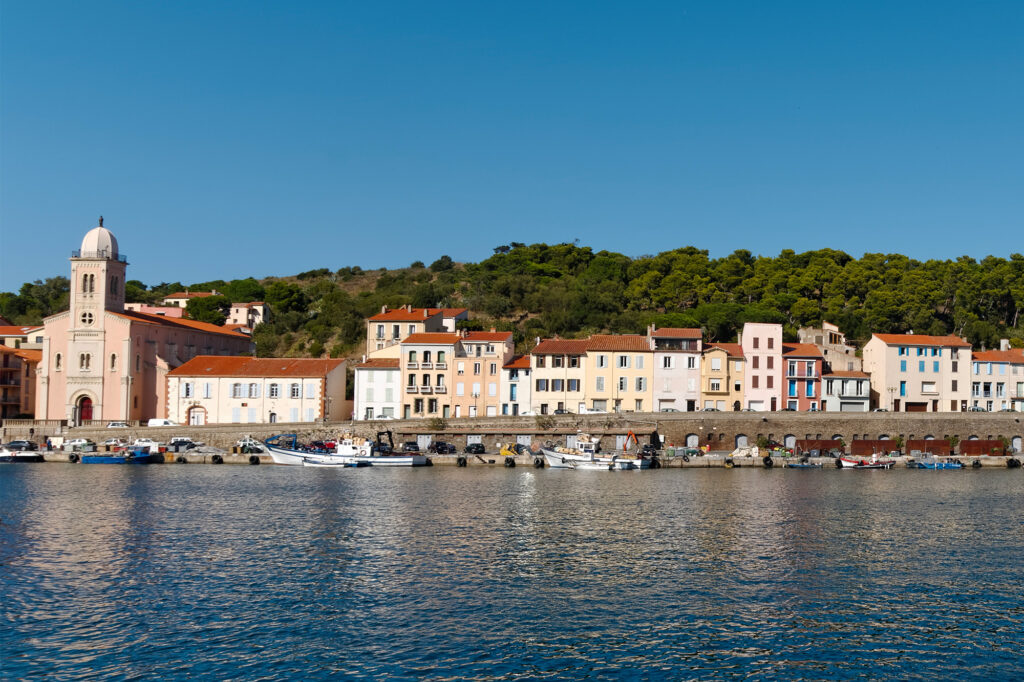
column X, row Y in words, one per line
column 426, row 365
column 412, row 365
column 801, row 375
column 440, row 389
column 440, row 365
column 426, row 389
column 412, row 389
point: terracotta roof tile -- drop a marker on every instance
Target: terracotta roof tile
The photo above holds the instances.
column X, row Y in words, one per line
column 432, row 338
column 618, row 342
column 560, row 347
column 1013, row 356
column 242, row 366
column 677, row 333
column 29, row 354
column 404, row 315
column 801, row 350
column 849, row 374
column 179, row 322
column 447, row 312
column 733, row 350
column 923, row 340
column 15, row 330
column 379, row 363
column 518, row 362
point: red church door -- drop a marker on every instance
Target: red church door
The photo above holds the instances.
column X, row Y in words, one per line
column 85, row 409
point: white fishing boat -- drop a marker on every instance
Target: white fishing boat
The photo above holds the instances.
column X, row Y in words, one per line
column 334, row 462
column 285, row 449
column 586, row 456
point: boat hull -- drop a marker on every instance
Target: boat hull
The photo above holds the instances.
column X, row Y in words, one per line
column 334, row 463
column 845, row 463
column 571, row 460
column 394, row 460
column 131, row 458
column 15, row 456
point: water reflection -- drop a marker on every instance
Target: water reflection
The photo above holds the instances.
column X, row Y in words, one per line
column 511, row 574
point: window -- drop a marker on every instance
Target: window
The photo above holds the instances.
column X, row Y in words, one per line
column 753, row 381
column 921, row 351
column 574, row 361
column 809, row 393
column 310, row 391
column 903, row 365
column 461, row 368
column 771, row 361
column 935, row 366
column 755, row 362
column 113, row 362
column 236, row 390
column 557, row 385
column 494, row 368
column 574, row 384
column 542, row 385
column 426, row 380
column 426, row 356
column 602, row 361
column 87, row 319
column 902, row 350
column 254, row 391
column 771, row 342
column 540, row 360
column 716, row 364
column 757, row 342
column 412, row 380
column 206, row 389
column 186, row 390
column 380, row 331
column 440, row 357
column 623, row 361
column 476, row 368
column 737, row 366
column 639, row 362
column 460, row 388
column 440, row 380
column 920, row 365
column 771, row 381
column 138, row 362
column 792, row 389
column 275, row 390
column 490, row 349
column 623, row 384
column 666, row 362
column 691, row 362
column 600, row 384
column 716, row 384
column 556, row 360
column 412, row 356
column 84, row 360
column 641, row 384
column 903, row 389
column 928, row 387
column 295, row 390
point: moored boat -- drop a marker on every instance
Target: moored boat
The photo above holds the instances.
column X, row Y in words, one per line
column 802, row 464
column 935, row 463
column 586, row 453
column 285, row 449
column 873, row 463
column 135, row 456
column 20, row 456
column 334, row 462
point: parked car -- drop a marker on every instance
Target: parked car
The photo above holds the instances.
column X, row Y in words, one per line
column 475, row 449
column 669, row 409
column 77, row 443
column 117, row 425
column 161, row 422
column 184, row 441
column 975, row 408
column 711, row 409
column 21, row 445
column 563, row 411
column 441, row 448
column 249, row 445
column 145, row 443
column 879, row 409
column 410, row 446
column 116, row 442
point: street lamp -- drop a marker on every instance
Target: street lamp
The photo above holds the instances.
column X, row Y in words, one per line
column 476, row 404
column 892, row 398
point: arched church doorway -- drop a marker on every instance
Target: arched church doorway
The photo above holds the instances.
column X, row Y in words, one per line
column 83, row 410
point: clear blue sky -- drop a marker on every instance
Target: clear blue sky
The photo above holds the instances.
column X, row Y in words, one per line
column 226, row 139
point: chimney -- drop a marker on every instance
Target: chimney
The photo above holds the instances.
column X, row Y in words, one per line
column 364, row 357
column 383, row 309
column 537, row 343
column 408, row 307
column 1004, row 344
column 739, row 337
column 425, row 315
column 493, row 329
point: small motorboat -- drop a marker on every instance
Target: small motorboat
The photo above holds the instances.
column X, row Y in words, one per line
column 8, row 455
column 873, row 463
column 802, row 464
column 135, row 456
column 935, row 463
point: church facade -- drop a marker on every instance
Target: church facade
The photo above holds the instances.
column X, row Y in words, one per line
column 102, row 362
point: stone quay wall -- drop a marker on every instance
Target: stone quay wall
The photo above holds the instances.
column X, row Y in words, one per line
column 720, row 431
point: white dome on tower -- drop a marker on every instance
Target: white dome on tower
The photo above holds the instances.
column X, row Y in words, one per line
column 99, row 242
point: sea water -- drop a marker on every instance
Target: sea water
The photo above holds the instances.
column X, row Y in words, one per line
column 271, row 572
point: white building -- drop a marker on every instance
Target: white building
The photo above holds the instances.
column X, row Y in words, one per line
column 242, row 390
column 516, row 388
column 677, row 354
column 378, row 389
column 997, row 379
column 247, row 315
column 846, row 391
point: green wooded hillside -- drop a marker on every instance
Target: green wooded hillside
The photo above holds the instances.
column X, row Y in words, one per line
column 569, row 290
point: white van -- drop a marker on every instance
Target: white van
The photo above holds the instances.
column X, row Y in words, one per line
column 161, row 422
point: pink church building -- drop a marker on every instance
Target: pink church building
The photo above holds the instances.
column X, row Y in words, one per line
column 102, row 362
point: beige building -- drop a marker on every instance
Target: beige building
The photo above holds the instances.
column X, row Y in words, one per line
column 18, row 381
column 722, row 377
column 620, row 373
column 839, row 355
column 248, row 315
column 14, row 336
column 245, row 390
column 919, row 373
column 558, row 369
column 389, row 327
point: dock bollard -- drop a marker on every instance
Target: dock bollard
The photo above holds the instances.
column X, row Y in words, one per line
column 461, row 461
column 768, row 461
column 217, row 459
column 510, row 462
column 538, row 462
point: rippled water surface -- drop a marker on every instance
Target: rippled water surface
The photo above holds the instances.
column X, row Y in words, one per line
column 283, row 572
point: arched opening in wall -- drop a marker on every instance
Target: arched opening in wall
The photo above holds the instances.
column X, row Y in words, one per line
column 692, row 440
column 736, row 406
column 973, row 438
column 884, row 436
column 197, row 416
column 1015, row 444
column 83, row 410
column 929, row 437
column 741, row 441
column 839, row 436
column 273, row 417
column 789, row 440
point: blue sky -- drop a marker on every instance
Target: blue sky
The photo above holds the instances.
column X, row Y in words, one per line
column 227, row 139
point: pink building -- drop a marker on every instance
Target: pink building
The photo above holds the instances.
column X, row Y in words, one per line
column 803, row 368
column 762, row 351
column 102, row 362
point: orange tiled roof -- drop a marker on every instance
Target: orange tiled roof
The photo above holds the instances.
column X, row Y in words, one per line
column 733, row 350
column 951, row 340
column 1013, row 356
column 434, row 338
column 801, row 350
column 560, row 347
column 614, row 342
column 849, row 374
column 379, row 363
column 29, row 354
column 518, row 362
column 488, row 336
column 177, row 322
column 677, row 333
column 15, row 330
column 405, row 315
column 244, row 366
column 447, row 312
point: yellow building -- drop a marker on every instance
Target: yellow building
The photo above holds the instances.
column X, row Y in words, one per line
column 721, row 381
column 620, row 373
